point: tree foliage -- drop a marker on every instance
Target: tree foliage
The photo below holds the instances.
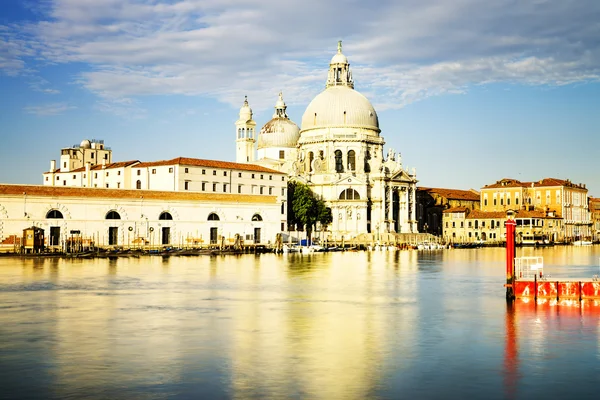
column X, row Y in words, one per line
column 305, row 208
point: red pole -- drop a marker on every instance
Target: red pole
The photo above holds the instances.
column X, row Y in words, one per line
column 510, row 257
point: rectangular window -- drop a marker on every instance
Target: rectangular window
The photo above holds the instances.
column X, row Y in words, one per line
column 270, row 190
column 214, row 187
column 107, row 174
column 107, row 185
column 118, row 172
column 501, row 202
column 214, row 172
column 485, row 202
column 203, row 186
column 154, row 171
column 508, row 201
column 58, row 178
column 187, row 170
column 64, row 183
column 64, row 165
column 252, row 176
column 46, row 179
column 239, row 174
column 281, row 154
column 92, row 155
column 283, row 226
column 517, row 201
column 494, row 201
column 453, row 224
column 224, row 188
column 283, row 191
column 239, row 188
column 203, row 172
column 283, row 179
column 261, row 189
column 139, row 171
column 261, row 176
column 118, row 185
column 224, row 173
column 170, row 169
column 470, row 224
column 74, row 176
column 270, row 177
column 462, row 224
column 85, row 175
column 186, row 185
column 95, row 175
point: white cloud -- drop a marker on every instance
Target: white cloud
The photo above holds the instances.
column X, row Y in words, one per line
column 48, row 109
column 402, row 51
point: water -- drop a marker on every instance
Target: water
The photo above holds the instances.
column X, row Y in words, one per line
column 422, row 325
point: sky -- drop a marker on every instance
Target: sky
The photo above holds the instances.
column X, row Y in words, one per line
column 469, row 91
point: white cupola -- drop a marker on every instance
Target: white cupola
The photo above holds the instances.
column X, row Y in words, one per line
column 245, row 127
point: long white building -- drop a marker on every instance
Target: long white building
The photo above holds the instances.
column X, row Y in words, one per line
column 126, row 217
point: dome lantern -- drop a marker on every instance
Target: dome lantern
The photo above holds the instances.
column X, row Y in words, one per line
column 339, row 70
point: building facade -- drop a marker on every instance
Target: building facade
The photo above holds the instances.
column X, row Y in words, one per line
column 130, row 218
column 339, row 152
column 555, row 197
column 432, row 202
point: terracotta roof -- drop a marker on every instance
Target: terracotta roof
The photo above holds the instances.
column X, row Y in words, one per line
column 454, row 194
column 197, row 162
column 65, row 191
column 478, row 214
column 545, row 182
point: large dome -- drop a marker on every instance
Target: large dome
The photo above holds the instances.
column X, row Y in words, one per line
column 340, row 106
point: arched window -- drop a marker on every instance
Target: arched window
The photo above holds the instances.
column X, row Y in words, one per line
column 213, row 217
column 311, row 157
column 349, row 194
column 165, row 216
column 113, row 215
column 339, row 164
column 351, row 160
column 54, row 214
column 256, row 217
column 138, row 184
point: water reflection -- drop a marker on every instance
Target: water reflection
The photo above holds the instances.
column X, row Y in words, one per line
column 340, row 325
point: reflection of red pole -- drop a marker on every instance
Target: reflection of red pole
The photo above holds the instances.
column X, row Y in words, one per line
column 511, row 353
column 510, row 258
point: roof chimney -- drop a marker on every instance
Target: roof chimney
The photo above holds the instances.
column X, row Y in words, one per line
column 52, row 165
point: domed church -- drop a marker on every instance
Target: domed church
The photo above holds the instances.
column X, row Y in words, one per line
column 339, row 153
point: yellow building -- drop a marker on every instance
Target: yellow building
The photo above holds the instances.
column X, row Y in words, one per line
column 462, row 225
column 554, row 197
column 594, row 207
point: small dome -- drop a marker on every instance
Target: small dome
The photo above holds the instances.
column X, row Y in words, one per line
column 278, row 132
column 245, row 111
column 339, row 58
column 340, row 106
column 85, row 144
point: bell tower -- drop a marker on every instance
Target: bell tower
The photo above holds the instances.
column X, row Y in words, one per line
column 245, row 131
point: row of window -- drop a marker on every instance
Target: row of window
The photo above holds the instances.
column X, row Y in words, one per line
column 496, row 224
column 214, row 172
column 215, row 187
column 164, row 216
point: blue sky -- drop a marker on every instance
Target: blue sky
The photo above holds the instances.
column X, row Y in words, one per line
column 469, row 91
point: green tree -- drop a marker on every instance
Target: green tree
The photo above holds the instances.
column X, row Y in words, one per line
column 305, row 208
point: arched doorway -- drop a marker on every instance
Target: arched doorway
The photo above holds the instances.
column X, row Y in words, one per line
column 54, row 238
column 214, row 231
column 165, row 230
column 113, row 231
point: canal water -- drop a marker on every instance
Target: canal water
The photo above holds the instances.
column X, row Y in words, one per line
column 353, row 325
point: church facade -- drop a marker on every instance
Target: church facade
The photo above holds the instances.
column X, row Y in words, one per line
column 339, row 152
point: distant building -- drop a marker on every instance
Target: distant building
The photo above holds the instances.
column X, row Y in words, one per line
column 594, row 207
column 555, row 197
column 432, row 202
column 462, row 225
